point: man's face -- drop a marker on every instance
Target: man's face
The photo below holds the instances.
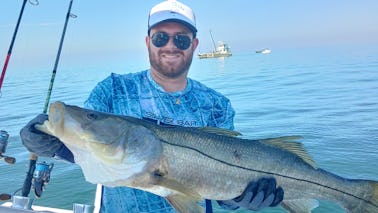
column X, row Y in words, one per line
column 169, row 60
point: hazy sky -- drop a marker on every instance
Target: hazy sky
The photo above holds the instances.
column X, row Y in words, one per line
column 112, row 28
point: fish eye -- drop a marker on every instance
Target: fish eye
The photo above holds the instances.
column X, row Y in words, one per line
column 91, row 116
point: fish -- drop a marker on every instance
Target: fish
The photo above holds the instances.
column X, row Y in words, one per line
column 188, row 164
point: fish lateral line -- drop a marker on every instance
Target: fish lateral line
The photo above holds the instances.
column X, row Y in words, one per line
column 269, row 173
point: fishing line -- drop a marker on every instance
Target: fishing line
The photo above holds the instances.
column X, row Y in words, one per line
column 32, row 2
column 33, row 157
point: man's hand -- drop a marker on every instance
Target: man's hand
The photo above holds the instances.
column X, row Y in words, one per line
column 38, row 142
column 258, row 195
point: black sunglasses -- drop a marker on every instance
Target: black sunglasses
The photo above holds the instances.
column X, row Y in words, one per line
column 181, row 41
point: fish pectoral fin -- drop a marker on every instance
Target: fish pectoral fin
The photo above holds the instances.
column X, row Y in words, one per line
column 290, row 144
column 183, row 199
column 183, row 203
column 300, row 205
column 177, row 187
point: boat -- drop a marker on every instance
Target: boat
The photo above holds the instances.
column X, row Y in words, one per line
column 264, row 51
column 222, row 50
column 20, row 204
column 10, row 207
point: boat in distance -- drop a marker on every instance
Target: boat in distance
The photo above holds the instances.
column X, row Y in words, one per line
column 264, row 51
column 223, row 50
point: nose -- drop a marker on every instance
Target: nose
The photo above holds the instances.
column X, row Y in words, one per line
column 170, row 43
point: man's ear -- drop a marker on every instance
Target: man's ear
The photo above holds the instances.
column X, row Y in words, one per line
column 147, row 39
column 195, row 43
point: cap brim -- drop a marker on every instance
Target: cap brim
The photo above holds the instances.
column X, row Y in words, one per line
column 165, row 16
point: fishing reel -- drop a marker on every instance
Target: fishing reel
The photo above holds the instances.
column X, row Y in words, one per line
column 41, row 177
column 3, row 145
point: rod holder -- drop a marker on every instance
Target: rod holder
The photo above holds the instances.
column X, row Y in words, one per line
column 82, row 208
column 20, row 202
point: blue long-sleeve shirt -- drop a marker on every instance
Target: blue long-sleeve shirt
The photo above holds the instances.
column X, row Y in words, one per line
column 138, row 95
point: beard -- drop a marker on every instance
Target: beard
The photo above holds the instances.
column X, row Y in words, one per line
column 170, row 68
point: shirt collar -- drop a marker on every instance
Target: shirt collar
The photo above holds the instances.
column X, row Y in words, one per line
column 161, row 89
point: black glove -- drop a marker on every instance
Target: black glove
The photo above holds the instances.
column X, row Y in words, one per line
column 258, row 195
column 38, row 142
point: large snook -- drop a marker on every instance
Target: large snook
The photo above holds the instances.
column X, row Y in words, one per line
column 185, row 164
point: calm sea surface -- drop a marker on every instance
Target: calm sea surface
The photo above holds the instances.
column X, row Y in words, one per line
column 327, row 95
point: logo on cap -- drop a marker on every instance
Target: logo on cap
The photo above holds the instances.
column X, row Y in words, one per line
column 172, row 10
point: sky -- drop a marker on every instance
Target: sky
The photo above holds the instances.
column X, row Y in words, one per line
column 111, row 29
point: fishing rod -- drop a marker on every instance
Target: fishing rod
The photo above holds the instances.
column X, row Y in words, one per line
column 3, row 134
column 35, row 2
column 41, row 175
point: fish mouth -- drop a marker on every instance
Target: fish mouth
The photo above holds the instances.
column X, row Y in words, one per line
column 55, row 120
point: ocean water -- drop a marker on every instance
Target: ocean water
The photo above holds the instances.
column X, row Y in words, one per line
column 326, row 95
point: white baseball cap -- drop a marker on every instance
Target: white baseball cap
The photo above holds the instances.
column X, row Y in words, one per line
column 172, row 10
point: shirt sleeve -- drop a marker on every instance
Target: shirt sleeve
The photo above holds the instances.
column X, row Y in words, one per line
column 229, row 114
column 100, row 97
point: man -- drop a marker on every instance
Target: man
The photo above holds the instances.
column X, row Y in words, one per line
column 165, row 95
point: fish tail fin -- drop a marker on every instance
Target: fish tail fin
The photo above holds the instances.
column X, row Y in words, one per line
column 367, row 200
column 373, row 202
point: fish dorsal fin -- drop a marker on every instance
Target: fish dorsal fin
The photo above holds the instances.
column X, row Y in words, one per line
column 288, row 143
column 220, row 131
column 183, row 203
column 300, row 205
